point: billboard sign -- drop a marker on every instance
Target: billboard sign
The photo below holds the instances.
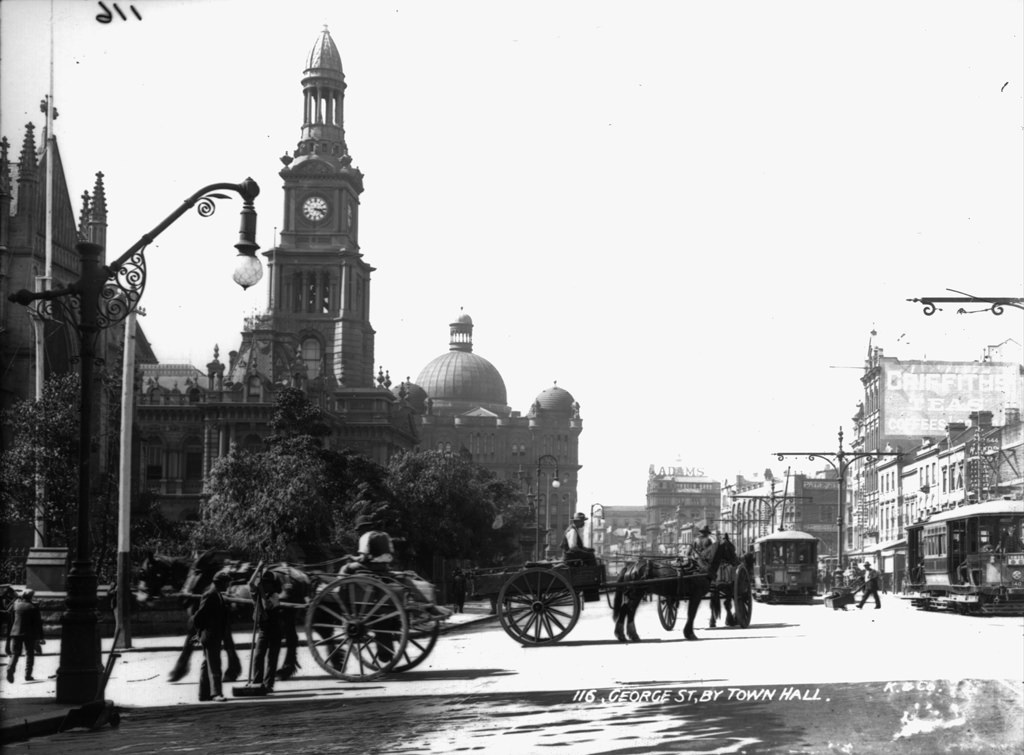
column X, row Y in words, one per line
column 921, row 398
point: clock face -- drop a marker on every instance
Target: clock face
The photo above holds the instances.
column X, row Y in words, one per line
column 315, row 209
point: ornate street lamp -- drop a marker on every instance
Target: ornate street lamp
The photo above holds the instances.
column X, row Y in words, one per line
column 101, row 297
column 839, row 461
column 554, row 482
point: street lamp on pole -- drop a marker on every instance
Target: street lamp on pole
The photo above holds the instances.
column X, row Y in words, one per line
column 553, row 482
column 840, row 461
column 103, row 296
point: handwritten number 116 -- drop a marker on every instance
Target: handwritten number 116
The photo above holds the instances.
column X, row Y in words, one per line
column 105, row 17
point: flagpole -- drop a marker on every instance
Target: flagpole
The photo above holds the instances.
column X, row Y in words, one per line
column 43, row 284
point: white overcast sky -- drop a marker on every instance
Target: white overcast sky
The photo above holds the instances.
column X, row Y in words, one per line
column 689, row 215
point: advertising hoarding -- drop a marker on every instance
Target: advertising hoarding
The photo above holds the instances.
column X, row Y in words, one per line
column 921, row 398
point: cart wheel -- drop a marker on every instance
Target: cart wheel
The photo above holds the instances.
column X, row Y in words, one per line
column 668, row 609
column 741, row 596
column 538, row 606
column 357, row 628
column 424, row 630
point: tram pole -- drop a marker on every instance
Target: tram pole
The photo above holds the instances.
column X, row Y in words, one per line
column 840, row 461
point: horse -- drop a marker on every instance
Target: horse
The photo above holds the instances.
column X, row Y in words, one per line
column 665, row 579
column 726, row 574
column 159, row 575
column 199, row 577
column 299, row 588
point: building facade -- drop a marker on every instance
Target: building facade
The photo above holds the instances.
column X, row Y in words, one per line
column 680, row 500
column 315, row 333
column 37, row 253
column 459, row 405
column 974, row 461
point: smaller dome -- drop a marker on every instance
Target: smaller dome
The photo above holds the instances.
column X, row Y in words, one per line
column 324, row 55
column 555, row 399
column 463, row 319
column 415, row 396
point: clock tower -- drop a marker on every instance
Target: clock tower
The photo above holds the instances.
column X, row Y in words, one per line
column 318, row 317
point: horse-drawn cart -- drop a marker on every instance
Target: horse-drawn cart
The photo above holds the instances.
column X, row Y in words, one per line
column 540, row 602
column 360, row 623
column 732, row 583
column 363, row 625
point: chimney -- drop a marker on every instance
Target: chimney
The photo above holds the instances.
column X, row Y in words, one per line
column 1011, row 416
column 952, row 428
column 981, row 419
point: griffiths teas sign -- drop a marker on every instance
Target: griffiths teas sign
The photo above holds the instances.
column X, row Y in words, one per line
column 922, row 397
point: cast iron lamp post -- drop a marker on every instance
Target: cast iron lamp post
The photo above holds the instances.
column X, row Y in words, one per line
column 553, row 483
column 103, row 296
column 839, row 461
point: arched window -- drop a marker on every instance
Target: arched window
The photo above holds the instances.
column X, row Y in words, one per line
column 312, row 356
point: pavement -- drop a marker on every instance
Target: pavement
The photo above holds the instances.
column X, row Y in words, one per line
column 30, row 708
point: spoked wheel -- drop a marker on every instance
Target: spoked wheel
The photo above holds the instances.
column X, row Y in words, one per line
column 668, row 610
column 742, row 597
column 424, row 630
column 357, row 628
column 538, row 606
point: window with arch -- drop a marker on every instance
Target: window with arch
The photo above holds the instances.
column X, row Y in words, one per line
column 312, row 354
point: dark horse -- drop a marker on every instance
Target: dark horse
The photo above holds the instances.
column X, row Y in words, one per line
column 159, row 575
column 299, row 588
column 671, row 580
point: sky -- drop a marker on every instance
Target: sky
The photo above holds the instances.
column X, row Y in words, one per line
column 691, row 216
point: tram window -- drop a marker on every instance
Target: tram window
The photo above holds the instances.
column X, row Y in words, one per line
column 1011, row 535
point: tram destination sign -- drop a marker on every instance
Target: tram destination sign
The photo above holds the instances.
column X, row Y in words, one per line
column 921, row 398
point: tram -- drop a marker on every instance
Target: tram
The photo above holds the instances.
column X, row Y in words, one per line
column 786, row 567
column 968, row 559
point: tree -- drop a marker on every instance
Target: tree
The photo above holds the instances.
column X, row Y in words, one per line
column 44, row 449
column 296, row 493
column 447, row 506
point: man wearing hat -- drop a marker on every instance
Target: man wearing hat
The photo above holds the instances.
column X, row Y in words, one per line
column 702, row 547
column 269, row 618
column 573, row 548
column 870, row 586
column 376, row 551
column 212, row 621
column 26, row 630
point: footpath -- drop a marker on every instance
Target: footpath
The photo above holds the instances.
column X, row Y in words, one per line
column 30, row 709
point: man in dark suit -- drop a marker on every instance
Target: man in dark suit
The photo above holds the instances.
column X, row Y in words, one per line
column 269, row 619
column 212, row 621
column 26, row 629
column 870, row 586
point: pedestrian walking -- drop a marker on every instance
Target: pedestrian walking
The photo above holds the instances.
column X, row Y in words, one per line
column 212, row 620
column 870, row 586
column 458, row 590
column 26, row 630
column 268, row 620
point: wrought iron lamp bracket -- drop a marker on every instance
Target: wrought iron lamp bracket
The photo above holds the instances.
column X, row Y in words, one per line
column 996, row 303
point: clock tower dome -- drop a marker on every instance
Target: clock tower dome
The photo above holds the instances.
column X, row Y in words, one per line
column 319, row 285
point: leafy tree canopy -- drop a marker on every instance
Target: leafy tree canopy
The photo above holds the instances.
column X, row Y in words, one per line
column 44, row 448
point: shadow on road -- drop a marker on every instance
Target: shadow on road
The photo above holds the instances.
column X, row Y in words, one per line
column 439, row 674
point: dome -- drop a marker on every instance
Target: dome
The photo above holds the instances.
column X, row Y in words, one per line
column 555, row 399
column 463, row 376
column 415, row 396
column 324, row 54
